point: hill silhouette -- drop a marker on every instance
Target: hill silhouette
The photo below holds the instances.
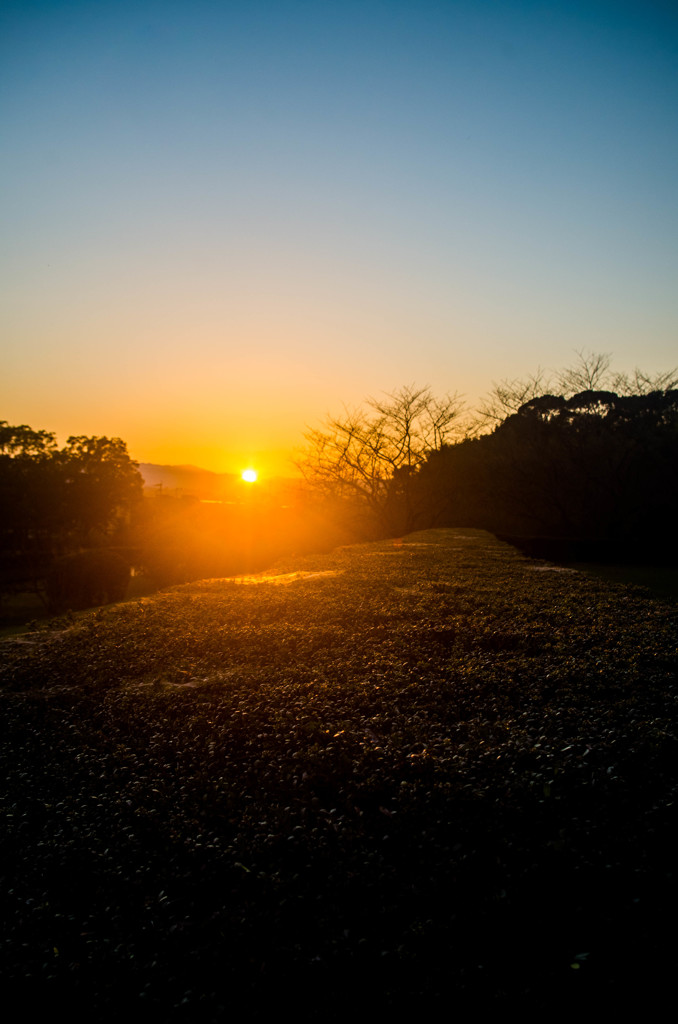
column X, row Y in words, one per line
column 188, row 479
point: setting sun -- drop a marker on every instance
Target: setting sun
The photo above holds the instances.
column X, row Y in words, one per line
column 249, row 476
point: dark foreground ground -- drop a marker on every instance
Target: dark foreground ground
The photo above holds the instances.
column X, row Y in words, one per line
column 429, row 776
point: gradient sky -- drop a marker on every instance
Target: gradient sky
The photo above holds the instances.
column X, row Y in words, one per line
column 221, row 220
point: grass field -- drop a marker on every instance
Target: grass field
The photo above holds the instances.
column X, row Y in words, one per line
column 423, row 775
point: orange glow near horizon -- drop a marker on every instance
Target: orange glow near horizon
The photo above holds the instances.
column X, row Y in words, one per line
column 214, row 446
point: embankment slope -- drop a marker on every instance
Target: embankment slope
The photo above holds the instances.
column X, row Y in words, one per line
column 422, row 774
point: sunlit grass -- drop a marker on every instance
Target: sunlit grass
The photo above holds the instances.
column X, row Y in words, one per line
column 411, row 759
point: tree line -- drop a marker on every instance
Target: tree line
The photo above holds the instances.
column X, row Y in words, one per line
column 583, row 462
column 54, row 499
column 75, row 523
column 56, row 504
column 595, row 475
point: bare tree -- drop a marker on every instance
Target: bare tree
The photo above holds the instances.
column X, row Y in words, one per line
column 590, row 372
column 641, row 383
column 507, row 396
column 371, row 454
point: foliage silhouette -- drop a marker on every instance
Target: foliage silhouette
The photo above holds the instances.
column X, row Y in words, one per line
column 595, row 467
column 590, row 371
column 566, row 457
column 86, row 579
column 54, row 502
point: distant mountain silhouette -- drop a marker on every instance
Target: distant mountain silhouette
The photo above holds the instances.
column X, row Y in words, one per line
column 189, row 481
column 194, row 482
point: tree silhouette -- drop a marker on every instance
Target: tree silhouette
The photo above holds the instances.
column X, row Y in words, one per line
column 589, row 372
column 595, row 468
column 369, row 457
column 507, row 396
column 53, row 502
column 102, row 483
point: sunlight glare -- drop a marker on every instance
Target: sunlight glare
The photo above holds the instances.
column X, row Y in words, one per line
column 249, row 476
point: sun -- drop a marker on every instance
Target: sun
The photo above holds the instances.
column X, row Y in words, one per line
column 249, row 476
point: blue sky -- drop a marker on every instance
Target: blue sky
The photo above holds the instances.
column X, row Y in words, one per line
column 221, row 220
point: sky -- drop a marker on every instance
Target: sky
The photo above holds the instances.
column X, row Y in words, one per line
column 222, row 220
